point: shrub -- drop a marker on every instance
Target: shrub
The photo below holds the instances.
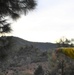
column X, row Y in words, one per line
column 39, row 71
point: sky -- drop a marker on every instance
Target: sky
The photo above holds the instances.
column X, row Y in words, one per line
column 51, row 20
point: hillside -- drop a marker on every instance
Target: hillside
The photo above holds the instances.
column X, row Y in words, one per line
column 40, row 45
column 21, row 57
column 16, row 53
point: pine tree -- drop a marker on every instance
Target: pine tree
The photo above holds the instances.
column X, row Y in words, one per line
column 13, row 9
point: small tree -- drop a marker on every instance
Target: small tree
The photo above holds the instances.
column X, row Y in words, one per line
column 64, row 42
column 39, row 71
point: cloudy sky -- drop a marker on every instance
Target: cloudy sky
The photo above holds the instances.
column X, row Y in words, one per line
column 51, row 20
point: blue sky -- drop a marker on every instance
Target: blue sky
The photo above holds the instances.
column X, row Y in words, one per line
column 51, row 20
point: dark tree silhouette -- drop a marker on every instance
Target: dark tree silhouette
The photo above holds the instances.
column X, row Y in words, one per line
column 65, row 43
column 39, row 71
column 13, row 9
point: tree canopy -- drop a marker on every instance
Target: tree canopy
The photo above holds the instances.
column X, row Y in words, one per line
column 68, row 51
column 13, row 9
column 64, row 42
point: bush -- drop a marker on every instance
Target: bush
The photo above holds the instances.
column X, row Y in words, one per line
column 39, row 71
